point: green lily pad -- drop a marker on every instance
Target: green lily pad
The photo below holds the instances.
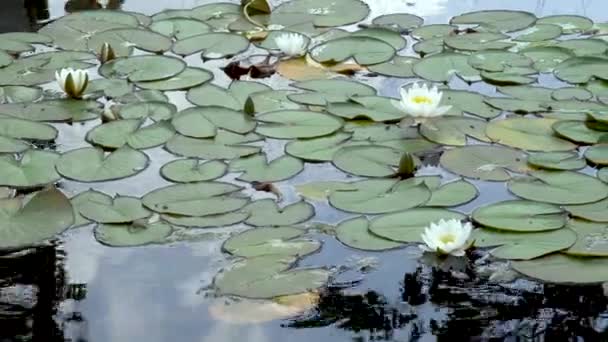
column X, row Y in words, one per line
column 82, row 199
column 208, row 148
column 433, row 31
column 597, row 154
column 569, row 23
column 18, row 42
column 209, row 221
column 193, row 170
column 521, row 216
column 10, row 145
column 155, row 110
column 53, row 110
column 283, row 241
column 584, row 47
column 323, row 92
column 498, row 60
column 591, row 239
column 180, row 28
column 266, row 212
column 496, row 20
column 131, row 235
column 510, row 76
column 524, row 246
column 143, row 96
column 408, row 226
column 527, row 134
column 546, row 58
column 595, row 212
column 430, row 46
column 484, row 162
column 400, row 22
column 195, row 199
column 377, row 196
column 18, row 94
column 559, row 187
column 320, row 149
column 268, row 277
column 143, row 68
column 190, row 77
column 559, row 268
column 452, row 194
column 25, row 129
column 578, row 131
column 375, row 108
column 35, row 168
column 124, row 40
column 539, row 32
column 370, row 161
column 557, row 161
column 443, row 66
column 212, row 45
column 389, row 36
column 400, row 66
column 91, row 164
column 234, row 97
column 40, row 68
column 26, row 223
column 354, row 233
column 289, row 124
column 120, row 209
column 270, row 101
column 258, row 168
column 202, row 122
column 467, row 102
column 319, row 191
column 478, row 41
column 324, row 14
column 582, row 69
column 454, row 130
column 364, row 50
column 111, row 88
column 131, row 132
column 571, row 93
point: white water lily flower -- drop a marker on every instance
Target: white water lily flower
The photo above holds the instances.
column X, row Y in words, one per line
column 72, row 82
column 421, row 102
column 291, row 44
column 447, row 237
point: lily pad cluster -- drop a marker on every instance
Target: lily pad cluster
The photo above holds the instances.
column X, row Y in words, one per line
column 230, row 142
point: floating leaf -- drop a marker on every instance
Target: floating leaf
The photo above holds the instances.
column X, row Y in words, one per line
column 496, row 20
column 559, row 268
column 18, row 42
column 193, row 170
column 354, row 233
column 569, row 23
column 289, row 124
column 115, row 134
column 143, row 68
column 467, row 102
column 592, row 212
column 36, row 168
column 370, row 161
column 80, row 200
column 324, row 14
column 320, row 149
column 571, row 93
column 527, row 134
column 131, row 235
column 524, row 246
column 539, row 32
column 582, row 69
column 195, row 199
column 208, row 148
column 498, row 60
column 93, row 165
column 478, row 41
column 53, row 110
column 156, row 110
column 209, row 221
column 597, row 154
column 328, row 91
column 399, row 66
column 592, row 238
column 108, row 87
column 268, row 277
column 25, row 129
column 234, row 97
column 579, row 131
column 190, row 77
column 258, row 168
column 434, row 31
column 557, row 161
column 280, row 241
column 120, row 209
column 443, row 66
column 364, row 50
column 521, row 216
column 454, row 130
column 400, row 22
column 17, row 94
column 25, row 223
column 143, row 96
column 202, row 122
column 408, row 226
column 123, row 40
column 180, row 28
column 319, row 191
column 559, row 187
column 484, row 162
column 376, row 196
column 546, row 57
column 452, row 194
column 212, row 45
column 375, row 108
column 266, row 212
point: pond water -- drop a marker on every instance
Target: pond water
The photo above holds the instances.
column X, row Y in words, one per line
column 162, row 292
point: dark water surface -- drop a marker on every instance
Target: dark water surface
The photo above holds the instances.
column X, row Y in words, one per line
column 83, row 291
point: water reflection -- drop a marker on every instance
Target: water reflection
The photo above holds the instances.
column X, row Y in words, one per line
column 81, row 5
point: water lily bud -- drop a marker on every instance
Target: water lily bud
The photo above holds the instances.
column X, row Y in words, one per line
column 407, row 166
column 72, row 82
column 107, row 53
column 109, row 114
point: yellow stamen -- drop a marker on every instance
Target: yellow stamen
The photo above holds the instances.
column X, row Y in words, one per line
column 447, row 238
column 422, row 99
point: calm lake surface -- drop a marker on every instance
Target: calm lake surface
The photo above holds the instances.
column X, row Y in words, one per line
column 159, row 293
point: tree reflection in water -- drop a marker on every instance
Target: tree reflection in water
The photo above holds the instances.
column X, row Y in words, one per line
column 475, row 310
column 32, row 286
